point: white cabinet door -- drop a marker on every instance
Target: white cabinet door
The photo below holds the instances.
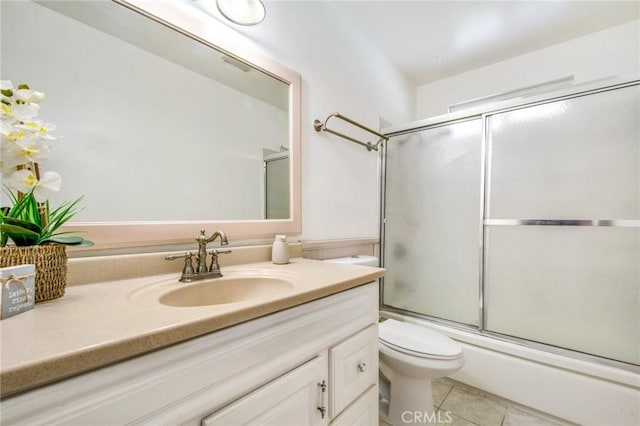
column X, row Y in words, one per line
column 353, row 368
column 363, row 412
column 298, row 398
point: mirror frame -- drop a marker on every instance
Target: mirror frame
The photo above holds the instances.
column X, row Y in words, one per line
column 205, row 29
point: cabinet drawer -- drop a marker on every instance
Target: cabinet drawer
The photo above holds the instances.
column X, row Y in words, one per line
column 353, row 368
column 295, row 398
column 363, row 412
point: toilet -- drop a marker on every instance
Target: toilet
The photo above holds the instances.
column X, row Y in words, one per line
column 410, row 357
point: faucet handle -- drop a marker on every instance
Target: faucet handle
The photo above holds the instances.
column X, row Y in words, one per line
column 215, row 266
column 187, row 271
column 216, row 251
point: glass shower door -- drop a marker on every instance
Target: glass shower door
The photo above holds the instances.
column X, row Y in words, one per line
column 562, row 242
column 432, row 221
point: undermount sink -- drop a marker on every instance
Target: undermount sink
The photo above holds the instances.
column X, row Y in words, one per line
column 224, row 290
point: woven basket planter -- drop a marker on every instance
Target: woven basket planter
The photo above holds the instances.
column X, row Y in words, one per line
column 51, row 267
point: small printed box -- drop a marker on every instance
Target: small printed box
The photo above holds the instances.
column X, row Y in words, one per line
column 18, row 293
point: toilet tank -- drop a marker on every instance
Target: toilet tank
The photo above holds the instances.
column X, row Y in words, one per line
column 358, row 259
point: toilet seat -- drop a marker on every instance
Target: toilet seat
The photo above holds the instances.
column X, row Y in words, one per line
column 414, row 340
column 416, row 354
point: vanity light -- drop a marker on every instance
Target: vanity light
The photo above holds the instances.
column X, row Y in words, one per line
column 242, row 12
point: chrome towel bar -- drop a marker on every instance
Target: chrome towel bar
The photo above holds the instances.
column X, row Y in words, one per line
column 322, row 127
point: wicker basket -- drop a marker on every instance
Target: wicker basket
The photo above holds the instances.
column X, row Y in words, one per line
column 51, row 267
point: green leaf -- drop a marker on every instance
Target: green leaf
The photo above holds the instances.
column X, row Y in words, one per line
column 59, row 216
column 23, row 223
column 73, row 241
column 24, row 207
column 19, row 235
column 83, row 243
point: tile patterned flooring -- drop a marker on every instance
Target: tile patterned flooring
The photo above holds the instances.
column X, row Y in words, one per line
column 468, row 406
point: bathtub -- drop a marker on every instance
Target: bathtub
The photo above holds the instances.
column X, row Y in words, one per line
column 579, row 391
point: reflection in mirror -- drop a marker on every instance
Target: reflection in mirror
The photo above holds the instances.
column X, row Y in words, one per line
column 276, row 188
column 156, row 124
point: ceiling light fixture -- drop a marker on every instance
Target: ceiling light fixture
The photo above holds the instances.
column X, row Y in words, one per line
column 242, row 12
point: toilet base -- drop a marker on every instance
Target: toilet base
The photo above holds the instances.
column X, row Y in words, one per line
column 411, row 402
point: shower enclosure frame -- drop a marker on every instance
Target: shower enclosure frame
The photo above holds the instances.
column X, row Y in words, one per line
column 483, row 112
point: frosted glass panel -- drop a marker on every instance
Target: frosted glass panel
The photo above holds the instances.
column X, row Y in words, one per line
column 573, row 287
column 433, row 221
column 571, row 159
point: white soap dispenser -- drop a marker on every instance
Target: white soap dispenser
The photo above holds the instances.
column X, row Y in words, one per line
column 280, row 250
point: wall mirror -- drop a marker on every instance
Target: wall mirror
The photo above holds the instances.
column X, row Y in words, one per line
column 167, row 126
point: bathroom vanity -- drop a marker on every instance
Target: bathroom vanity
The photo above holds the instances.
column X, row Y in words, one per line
column 308, row 357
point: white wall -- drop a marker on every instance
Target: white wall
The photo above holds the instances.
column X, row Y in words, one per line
column 615, row 51
column 341, row 73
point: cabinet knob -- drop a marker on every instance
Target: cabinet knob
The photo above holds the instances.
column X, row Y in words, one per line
column 362, row 367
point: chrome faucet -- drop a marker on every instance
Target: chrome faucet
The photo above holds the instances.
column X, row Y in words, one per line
column 202, row 270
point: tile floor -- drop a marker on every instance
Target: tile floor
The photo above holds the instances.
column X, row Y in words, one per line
column 468, row 406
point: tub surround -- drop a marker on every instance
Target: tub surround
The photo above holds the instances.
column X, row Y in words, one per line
column 96, row 324
column 562, row 387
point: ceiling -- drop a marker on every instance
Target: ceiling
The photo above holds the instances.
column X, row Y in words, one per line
column 429, row 40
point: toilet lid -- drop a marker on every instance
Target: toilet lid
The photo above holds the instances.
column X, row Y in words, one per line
column 416, row 340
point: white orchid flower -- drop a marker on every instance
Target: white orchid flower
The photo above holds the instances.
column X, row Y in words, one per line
column 18, row 112
column 25, row 180
column 22, row 180
column 19, row 148
column 49, row 182
column 28, row 95
column 6, row 109
column 24, row 141
column 5, row 127
column 42, row 129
